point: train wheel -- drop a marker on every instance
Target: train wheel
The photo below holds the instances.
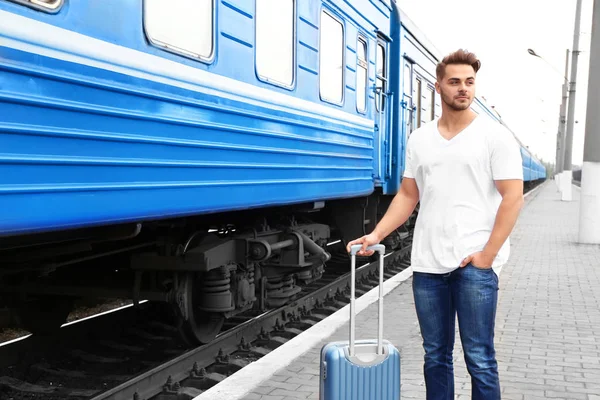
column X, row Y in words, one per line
column 201, row 327
column 196, row 326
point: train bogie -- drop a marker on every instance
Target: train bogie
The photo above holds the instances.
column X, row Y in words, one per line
column 212, row 276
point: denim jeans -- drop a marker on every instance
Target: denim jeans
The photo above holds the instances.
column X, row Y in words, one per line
column 472, row 294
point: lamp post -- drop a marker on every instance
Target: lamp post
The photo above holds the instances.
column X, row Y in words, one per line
column 566, row 176
column 560, row 135
column 567, row 186
column 589, row 210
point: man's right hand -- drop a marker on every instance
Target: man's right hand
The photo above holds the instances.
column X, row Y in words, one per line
column 366, row 241
column 397, row 213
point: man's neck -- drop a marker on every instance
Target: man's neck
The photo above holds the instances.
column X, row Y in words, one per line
column 452, row 122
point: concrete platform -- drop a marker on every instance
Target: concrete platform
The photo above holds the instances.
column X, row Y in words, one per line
column 547, row 327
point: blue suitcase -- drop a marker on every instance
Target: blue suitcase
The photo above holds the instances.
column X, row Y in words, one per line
column 361, row 369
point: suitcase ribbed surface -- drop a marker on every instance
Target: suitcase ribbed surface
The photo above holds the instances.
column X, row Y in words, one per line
column 347, row 381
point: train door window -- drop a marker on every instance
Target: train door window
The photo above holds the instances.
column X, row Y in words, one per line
column 331, row 59
column 432, row 98
column 361, row 75
column 425, row 104
column 381, row 77
column 275, row 25
column 181, row 26
column 418, row 98
column 407, row 79
column 408, row 96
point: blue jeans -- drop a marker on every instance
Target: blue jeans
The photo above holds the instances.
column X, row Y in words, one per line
column 472, row 293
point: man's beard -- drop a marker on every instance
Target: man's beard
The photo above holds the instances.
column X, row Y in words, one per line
column 455, row 105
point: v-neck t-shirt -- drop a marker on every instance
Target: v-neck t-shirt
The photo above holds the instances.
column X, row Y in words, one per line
column 458, row 196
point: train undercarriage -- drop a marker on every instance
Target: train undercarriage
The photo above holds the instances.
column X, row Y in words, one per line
column 204, row 269
column 215, row 276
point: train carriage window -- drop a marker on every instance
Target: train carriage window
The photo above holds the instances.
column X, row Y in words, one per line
column 361, row 75
column 331, row 59
column 275, row 41
column 181, row 26
column 381, row 75
column 44, row 5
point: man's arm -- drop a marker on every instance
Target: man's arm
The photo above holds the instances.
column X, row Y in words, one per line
column 511, row 191
column 400, row 208
column 398, row 212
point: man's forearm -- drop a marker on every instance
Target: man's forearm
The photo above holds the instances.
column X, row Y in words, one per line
column 506, row 219
column 400, row 209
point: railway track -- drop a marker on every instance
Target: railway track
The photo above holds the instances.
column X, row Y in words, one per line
column 135, row 354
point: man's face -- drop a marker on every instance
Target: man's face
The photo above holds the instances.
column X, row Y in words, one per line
column 457, row 87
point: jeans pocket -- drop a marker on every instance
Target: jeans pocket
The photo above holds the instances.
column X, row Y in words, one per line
column 480, row 268
column 486, row 275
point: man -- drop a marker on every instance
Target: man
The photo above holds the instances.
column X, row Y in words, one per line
column 466, row 170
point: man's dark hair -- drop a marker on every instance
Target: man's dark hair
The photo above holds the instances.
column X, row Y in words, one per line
column 458, row 57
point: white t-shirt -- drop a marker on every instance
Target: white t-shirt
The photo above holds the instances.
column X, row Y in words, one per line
column 459, row 199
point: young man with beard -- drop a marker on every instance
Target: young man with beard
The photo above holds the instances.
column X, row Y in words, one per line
column 466, row 170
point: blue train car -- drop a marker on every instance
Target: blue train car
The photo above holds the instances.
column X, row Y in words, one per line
column 212, row 148
column 102, row 105
column 533, row 170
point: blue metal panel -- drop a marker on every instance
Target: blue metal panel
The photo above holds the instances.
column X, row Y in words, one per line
column 108, row 136
column 236, row 37
column 308, row 45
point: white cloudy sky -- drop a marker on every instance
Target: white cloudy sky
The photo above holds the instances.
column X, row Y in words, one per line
column 525, row 90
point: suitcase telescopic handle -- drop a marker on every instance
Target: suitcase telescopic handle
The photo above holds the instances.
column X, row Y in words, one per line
column 379, row 248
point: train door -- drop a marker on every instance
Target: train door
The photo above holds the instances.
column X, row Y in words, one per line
column 419, row 99
column 424, row 97
column 408, row 103
column 383, row 104
column 419, row 102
